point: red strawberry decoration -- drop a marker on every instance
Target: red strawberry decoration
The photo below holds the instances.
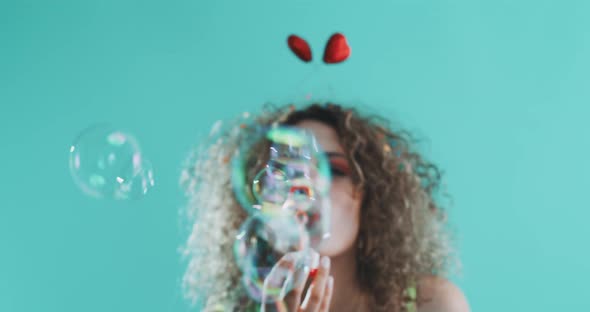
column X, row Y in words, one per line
column 300, row 47
column 337, row 49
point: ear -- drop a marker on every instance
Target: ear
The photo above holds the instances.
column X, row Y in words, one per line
column 337, row 49
column 300, row 48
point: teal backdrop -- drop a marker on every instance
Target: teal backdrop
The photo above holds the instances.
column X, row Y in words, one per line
column 499, row 88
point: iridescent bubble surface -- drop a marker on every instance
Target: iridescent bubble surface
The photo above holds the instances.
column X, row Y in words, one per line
column 281, row 171
column 281, row 177
column 273, row 256
column 106, row 162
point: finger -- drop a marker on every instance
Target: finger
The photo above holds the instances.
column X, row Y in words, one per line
column 293, row 297
column 278, row 278
column 325, row 306
column 302, row 280
column 327, row 297
column 314, row 296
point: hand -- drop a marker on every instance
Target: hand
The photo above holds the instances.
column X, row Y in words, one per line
column 319, row 294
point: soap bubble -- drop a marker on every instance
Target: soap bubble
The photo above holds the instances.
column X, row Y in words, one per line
column 281, row 178
column 106, row 162
column 274, row 257
column 281, row 172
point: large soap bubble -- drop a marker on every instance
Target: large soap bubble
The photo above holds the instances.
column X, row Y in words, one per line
column 273, row 256
column 282, row 172
column 281, row 178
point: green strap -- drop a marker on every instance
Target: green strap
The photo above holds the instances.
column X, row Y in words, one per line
column 411, row 296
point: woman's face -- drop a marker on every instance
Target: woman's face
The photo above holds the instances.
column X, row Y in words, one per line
column 345, row 216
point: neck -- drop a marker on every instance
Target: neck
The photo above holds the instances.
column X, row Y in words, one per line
column 347, row 294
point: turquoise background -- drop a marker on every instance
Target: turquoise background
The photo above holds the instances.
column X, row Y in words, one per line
column 499, row 87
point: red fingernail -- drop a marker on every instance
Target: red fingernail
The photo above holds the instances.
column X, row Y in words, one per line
column 313, row 273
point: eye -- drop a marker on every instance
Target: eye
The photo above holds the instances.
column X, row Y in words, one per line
column 300, row 191
column 336, row 172
column 339, row 167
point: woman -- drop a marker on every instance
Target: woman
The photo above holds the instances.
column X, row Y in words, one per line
column 388, row 250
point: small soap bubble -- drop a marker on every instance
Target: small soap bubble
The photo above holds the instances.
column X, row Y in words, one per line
column 106, row 162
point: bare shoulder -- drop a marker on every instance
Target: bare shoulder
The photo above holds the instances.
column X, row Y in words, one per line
column 436, row 294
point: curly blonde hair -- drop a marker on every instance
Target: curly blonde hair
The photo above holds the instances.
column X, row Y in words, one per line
column 403, row 233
